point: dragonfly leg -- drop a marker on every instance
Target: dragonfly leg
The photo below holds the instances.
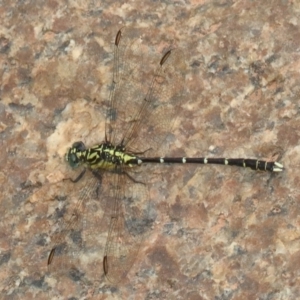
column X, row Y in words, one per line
column 77, row 178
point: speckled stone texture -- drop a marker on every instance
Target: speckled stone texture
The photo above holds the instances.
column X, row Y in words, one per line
column 220, row 232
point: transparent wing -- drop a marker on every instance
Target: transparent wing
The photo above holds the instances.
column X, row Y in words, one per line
column 160, row 106
column 71, row 238
column 114, row 206
column 145, row 96
column 128, row 57
column 130, row 221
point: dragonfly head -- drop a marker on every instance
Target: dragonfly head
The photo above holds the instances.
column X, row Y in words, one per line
column 72, row 156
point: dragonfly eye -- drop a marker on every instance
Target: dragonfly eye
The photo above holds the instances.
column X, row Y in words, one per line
column 72, row 158
column 80, row 146
column 71, row 155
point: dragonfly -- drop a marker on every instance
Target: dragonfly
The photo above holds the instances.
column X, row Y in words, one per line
column 139, row 117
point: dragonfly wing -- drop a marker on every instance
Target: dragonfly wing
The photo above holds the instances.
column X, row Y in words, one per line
column 129, row 60
column 145, row 94
column 70, row 238
column 160, row 105
column 129, row 224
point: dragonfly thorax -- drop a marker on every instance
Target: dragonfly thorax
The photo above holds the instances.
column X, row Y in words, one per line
column 101, row 156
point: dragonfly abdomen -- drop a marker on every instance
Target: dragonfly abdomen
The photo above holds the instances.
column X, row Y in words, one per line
column 254, row 164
